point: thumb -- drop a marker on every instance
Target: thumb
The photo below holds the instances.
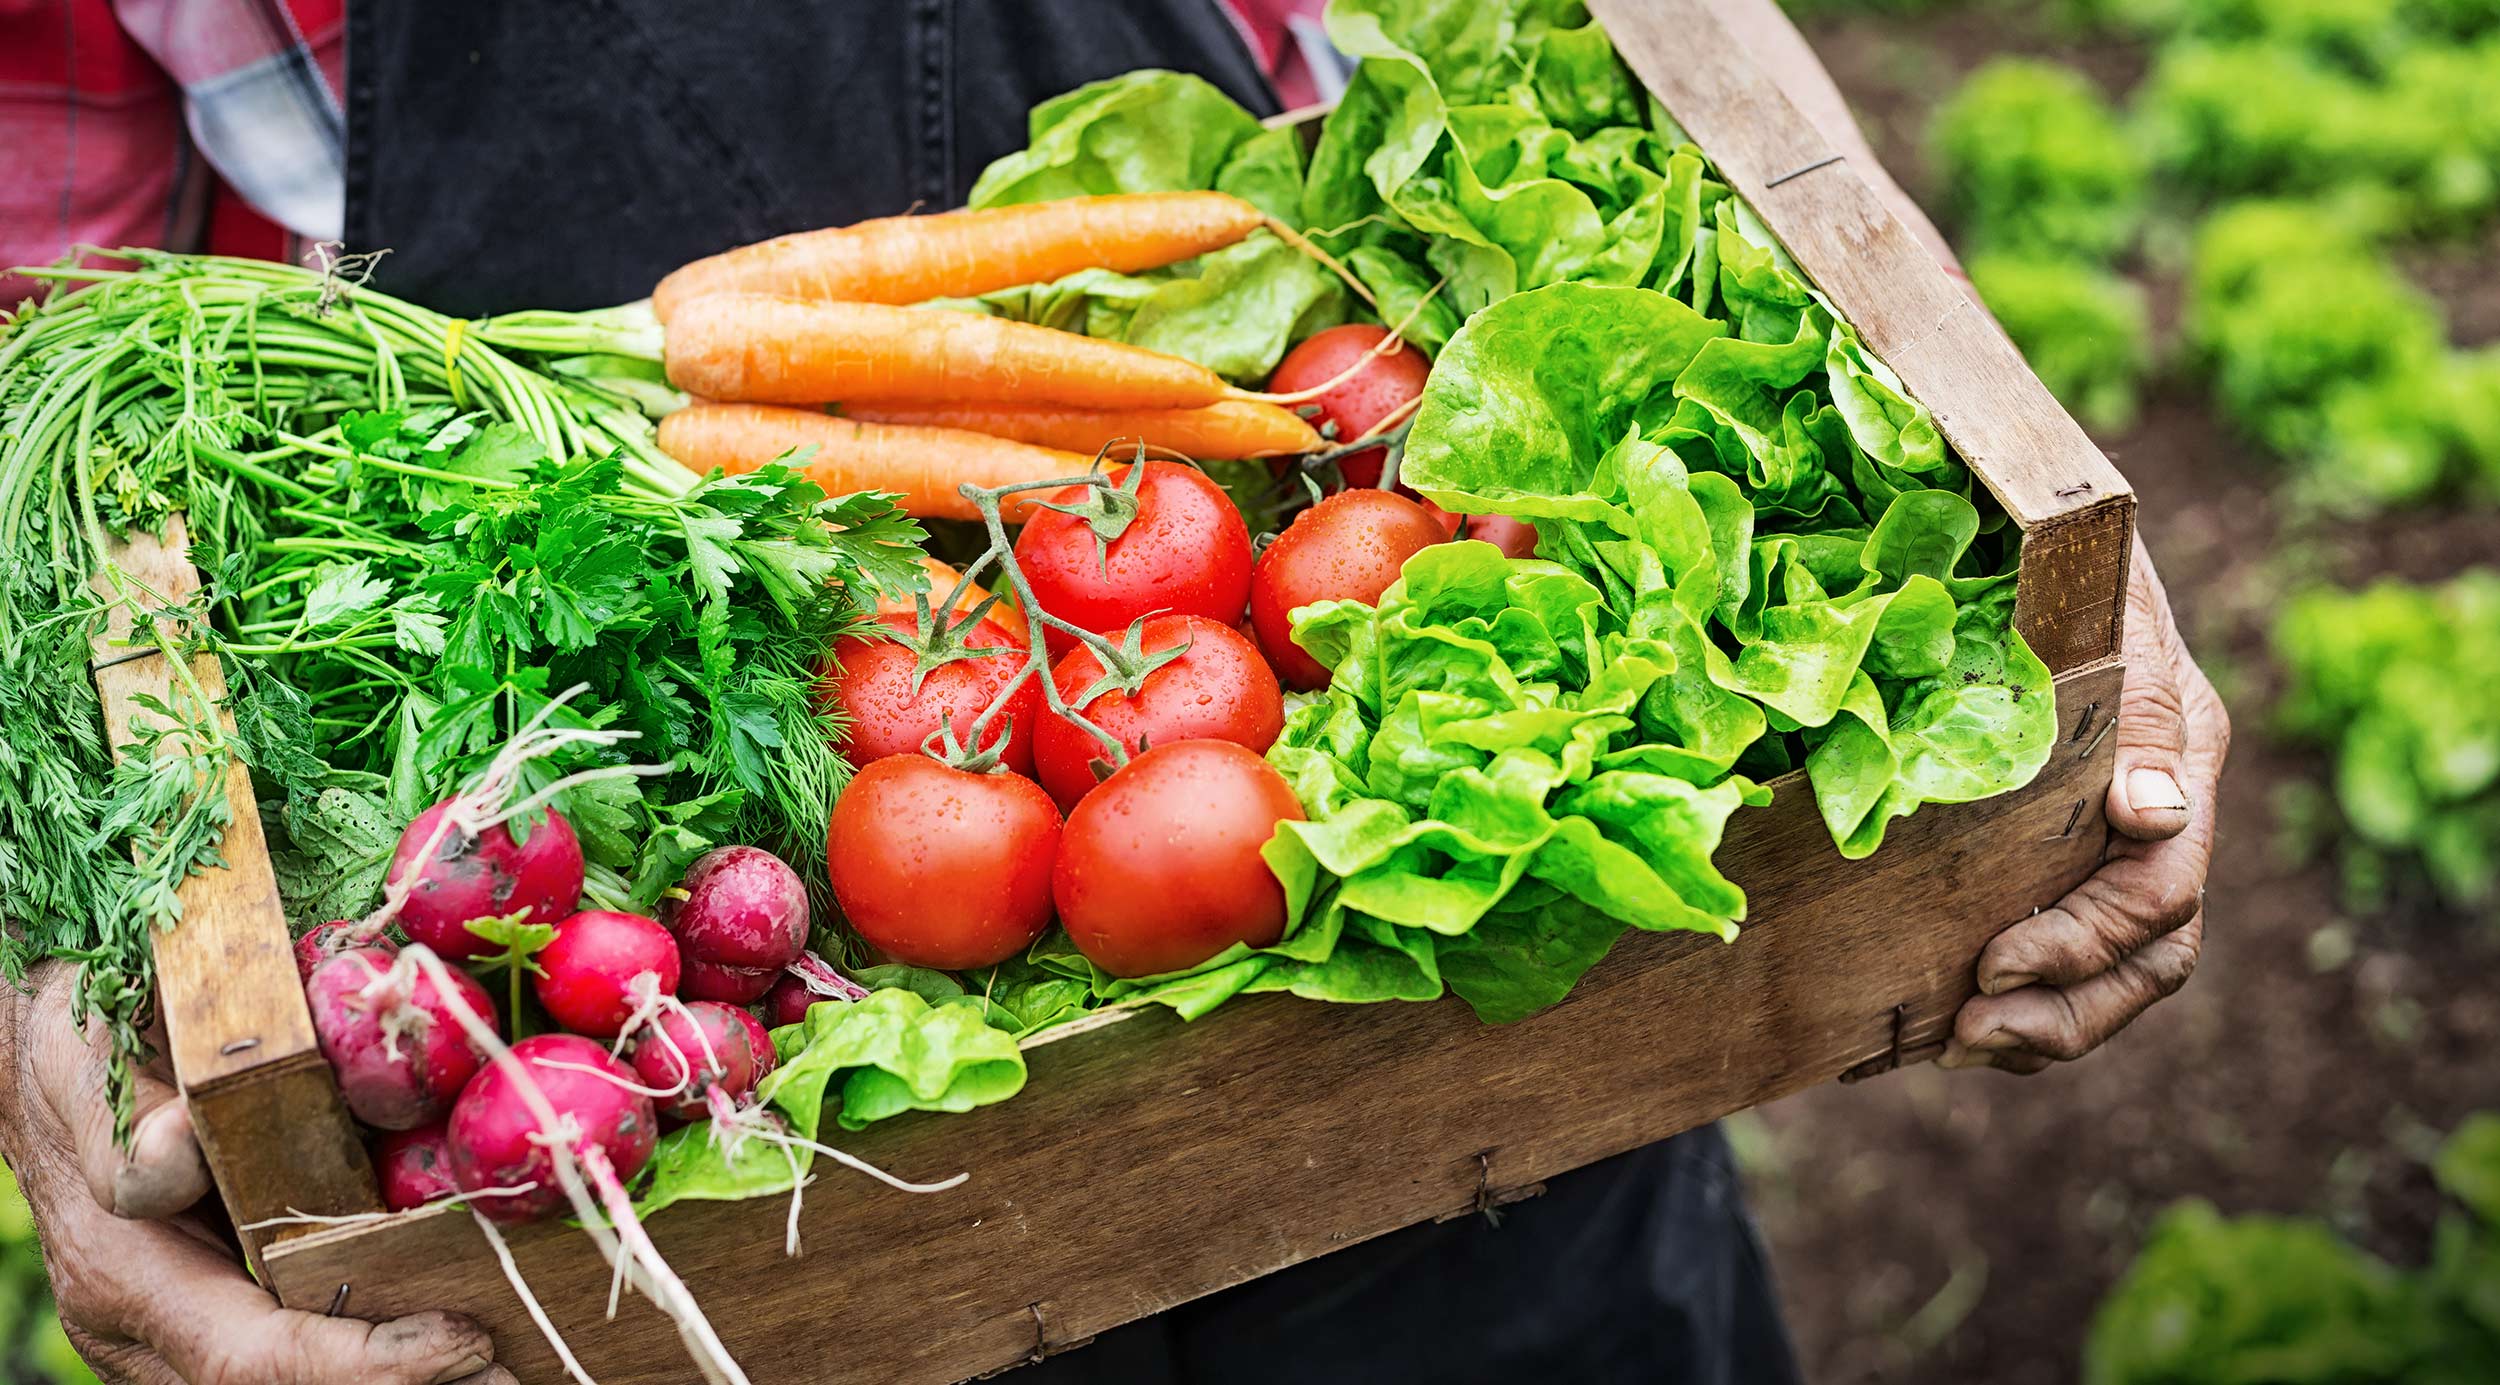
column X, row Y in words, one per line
column 168, row 1302
column 2147, row 797
column 225, row 1327
column 162, row 1171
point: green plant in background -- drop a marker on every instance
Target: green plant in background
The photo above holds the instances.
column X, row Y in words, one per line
column 2086, row 330
column 2214, row 1300
column 2047, row 190
column 2397, row 681
column 2033, row 161
column 2321, row 351
column 2360, row 35
column 2359, row 122
column 2241, row 118
column 33, row 1349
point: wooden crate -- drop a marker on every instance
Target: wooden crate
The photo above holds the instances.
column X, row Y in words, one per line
column 1149, row 1162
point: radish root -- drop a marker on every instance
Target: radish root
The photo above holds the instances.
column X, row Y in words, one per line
column 529, row 1301
column 819, row 977
column 648, row 1272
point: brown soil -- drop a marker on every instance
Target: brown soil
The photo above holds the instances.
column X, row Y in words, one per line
column 1944, row 1227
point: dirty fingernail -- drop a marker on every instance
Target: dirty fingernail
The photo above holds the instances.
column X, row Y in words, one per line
column 1954, row 1056
column 2153, row 790
column 2005, row 981
column 466, row 1368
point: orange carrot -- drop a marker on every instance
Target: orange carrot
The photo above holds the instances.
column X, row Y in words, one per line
column 908, row 259
column 758, row 349
column 1235, row 428
column 922, row 465
column 942, row 579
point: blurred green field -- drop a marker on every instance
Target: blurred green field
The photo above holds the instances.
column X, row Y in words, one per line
column 33, row 1350
column 2255, row 246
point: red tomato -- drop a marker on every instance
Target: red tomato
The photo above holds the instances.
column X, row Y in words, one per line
column 1348, row 547
column 1186, row 551
column 1159, row 868
column 1387, row 385
column 872, row 682
column 1219, row 690
column 941, row 867
column 1515, row 537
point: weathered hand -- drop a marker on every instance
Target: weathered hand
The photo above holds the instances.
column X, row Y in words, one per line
column 148, row 1291
column 2060, row 983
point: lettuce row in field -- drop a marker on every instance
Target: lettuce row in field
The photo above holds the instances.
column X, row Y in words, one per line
column 2368, row 396
column 2215, row 1300
column 858, row 1063
column 2396, row 681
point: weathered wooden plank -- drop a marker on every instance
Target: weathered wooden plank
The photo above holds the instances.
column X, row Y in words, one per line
column 267, row 1111
column 1915, row 318
column 2071, row 604
column 1149, row 1162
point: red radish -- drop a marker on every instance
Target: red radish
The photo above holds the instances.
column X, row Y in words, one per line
column 1389, row 385
column 760, row 1039
column 893, row 707
column 788, row 1001
column 701, row 980
column 489, row 875
column 587, row 974
column 809, row 980
column 1218, row 689
column 1348, row 547
column 495, row 1142
column 743, row 908
column 1160, row 866
column 693, row 1051
column 400, row 1056
column 414, row 1167
column 941, row 867
column 326, row 940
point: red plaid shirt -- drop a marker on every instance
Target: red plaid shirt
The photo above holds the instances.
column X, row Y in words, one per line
column 196, row 124
column 215, row 124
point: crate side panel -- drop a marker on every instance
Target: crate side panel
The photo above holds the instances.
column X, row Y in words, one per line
column 2071, row 601
column 1149, row 1162
column 269, row 1116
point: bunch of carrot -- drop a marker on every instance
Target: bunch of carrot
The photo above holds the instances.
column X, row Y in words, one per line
column 766, row 335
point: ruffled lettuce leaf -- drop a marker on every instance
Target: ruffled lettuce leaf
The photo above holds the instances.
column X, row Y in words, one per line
column 1144, row 131
column 1491, row 149
column 859, row 1062
column 1726, row 578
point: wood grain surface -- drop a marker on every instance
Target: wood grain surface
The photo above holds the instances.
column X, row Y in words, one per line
column 1148, row 1162
column 237, row 1029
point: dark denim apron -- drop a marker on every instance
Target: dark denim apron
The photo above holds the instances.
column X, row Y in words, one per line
column 567, row 153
